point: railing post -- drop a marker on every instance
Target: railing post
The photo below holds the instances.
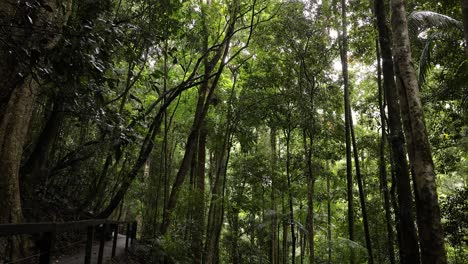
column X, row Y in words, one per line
column 47, row 245
column 102, row 242
column 127, row 236
column 134, row 232
column 89, row 245
column 114, row 242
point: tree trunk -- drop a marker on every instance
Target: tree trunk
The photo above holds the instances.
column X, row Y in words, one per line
column 285, row 233
column 290, row 196
column 382, row 165
column 204, row 101
column 362, row 196
column 199, row 201
column 302, row 244
column 164, row 148
column 329, row 252
column 13, row 131
column 189, row 231
column 145, row 151
column 347, row 107
column 310, row 195
column 36, row 168
column 274, row 219
column 185, row 164
column 216, row 210
column 233, row 215
column 408, row 241
column 428, row 212
column 18, row 90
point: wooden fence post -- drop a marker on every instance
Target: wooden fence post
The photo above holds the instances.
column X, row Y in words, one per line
column 102, row 242
column 47, row 245
column 128, row 236
column 114, row 242
column 134, row 232
column 89, row 245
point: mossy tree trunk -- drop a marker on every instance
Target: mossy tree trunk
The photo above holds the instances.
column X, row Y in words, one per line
column 407, row 236
column 31, row 35
column 347, row 107
column 430, row 231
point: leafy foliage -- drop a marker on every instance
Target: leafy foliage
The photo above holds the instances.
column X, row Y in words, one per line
column 251, row 92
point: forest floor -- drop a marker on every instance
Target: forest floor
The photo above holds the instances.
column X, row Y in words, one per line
column 77, row 257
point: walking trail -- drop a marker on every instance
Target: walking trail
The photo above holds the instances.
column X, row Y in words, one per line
column 78, row 256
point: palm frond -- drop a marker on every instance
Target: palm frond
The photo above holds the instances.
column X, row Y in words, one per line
column 425, row 61
column 421, row 20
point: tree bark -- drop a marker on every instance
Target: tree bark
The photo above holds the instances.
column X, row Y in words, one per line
column 290, row 195
column 185, row 164
column 21, row 51
column 428, row 212
column 216, row 209
column 407, row 237
column 274, row 219
column 145, row 151
column 382, row 165
column 233, row 215
column 329, row 251
column 362, row 196
column 35, row 169
column 285, row 233
column 199, row 201
column 310, row 195
column 13, row 131
column 206, row 92
column 347, row 107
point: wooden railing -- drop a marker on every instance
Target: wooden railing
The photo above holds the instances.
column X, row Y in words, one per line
column 49, row 231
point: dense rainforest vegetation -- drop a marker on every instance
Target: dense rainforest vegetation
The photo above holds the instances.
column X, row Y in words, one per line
column 240, row 131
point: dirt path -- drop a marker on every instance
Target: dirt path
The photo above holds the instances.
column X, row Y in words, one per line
column 78, row 257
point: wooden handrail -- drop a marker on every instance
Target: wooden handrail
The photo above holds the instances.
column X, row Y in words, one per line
column 50, row 229
column 36, row 228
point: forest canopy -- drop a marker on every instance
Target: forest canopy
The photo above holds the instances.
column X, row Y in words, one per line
column 239, row 131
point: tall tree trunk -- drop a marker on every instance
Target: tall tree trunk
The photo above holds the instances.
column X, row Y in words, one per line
column 233, row 215
column 290, row 196
column 143, row 155
column 190, row 210
column 347, row 107
column 186, row 160
column 284, row 249
column 18, row 90
column 302, row 244
column 274, row 219
column 407, row 237
column 329, row 251
column 428, row 212
column 13, row 131
column 362, row 196
column 36, row 168
column 216, row 209
column 382, row 165
column 165, row 158
column 199, row 201
column 206, row 92
column 310, row 194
